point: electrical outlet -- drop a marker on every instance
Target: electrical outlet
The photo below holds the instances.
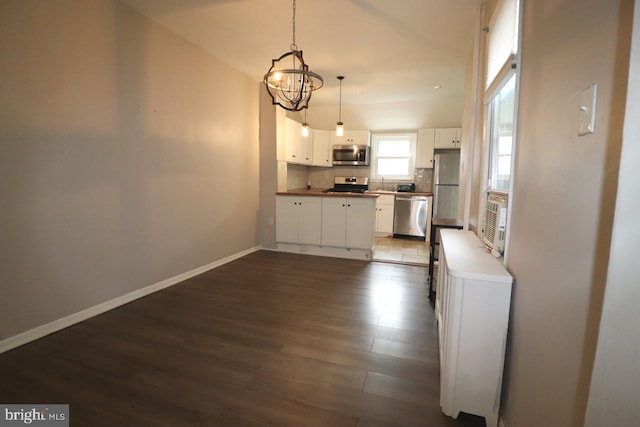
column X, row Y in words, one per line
column 271, row 220
column 587, row 110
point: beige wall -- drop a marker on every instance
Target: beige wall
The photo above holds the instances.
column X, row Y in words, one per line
column 564, row 194
column 615, row 383
column 128, row 156
column 268, row 171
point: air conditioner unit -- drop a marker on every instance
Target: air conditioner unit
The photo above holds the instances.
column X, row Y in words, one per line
column 495, row 222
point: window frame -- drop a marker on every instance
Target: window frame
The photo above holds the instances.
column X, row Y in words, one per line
column 493, row 142
column 376, row 138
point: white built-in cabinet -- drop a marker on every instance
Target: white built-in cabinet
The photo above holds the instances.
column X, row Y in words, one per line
column 447, row 137
column 322, row 148
column 424, row 148
column 472, row 310
column 315, row 149
column 299, row 149
column 298, row 220
column 384, row 214
column 351, row 137
column 348, row 222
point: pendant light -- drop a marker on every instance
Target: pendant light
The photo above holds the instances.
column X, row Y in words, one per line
column 289, row 81
column 340, row 125
column 305, row 125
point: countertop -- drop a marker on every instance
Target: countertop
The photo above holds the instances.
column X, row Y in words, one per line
column 415, row 193
column 468, row 258
column 320, row 192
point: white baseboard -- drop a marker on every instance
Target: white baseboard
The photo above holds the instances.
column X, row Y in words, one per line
column 327, row 251
column 59, row 324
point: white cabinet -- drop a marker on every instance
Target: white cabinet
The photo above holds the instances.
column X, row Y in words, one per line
column 351, row 137
column 348, row 222
column 299, row 149
column 472, row 310
column 424, row 155
column 384, row 214
column 447, row 138
column 298, row 220
column 322, row 148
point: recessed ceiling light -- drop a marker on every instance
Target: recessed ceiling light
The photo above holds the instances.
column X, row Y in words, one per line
column 436, row 87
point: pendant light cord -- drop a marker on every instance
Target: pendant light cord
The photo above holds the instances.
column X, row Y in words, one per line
column 340, row 106
column 294, row 46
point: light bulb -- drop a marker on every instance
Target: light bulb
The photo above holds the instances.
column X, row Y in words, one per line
column 305, row 130
column 339, row 129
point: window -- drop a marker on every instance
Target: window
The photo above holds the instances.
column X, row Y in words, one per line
column 501, row 116
column 393, row 156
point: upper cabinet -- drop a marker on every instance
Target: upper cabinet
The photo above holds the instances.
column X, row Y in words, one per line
column 351, row 137
column 322, row 148
column 299, row 149
column 424, row 149
column 447, row 137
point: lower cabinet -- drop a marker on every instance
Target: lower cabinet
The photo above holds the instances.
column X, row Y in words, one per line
column 348, row 222
column 298, row 220
column 472, row 311
column 384, row 214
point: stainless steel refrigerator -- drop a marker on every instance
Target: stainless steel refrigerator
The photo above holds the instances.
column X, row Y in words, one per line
column 446, row 175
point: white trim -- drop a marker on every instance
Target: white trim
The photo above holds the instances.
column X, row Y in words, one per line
column 326, row 251
column 59, row 324
column 477, row 109
column 376, row 138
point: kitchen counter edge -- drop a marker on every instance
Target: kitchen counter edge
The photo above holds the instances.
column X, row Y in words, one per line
column 321, row 192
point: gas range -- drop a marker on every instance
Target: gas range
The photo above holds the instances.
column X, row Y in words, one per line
column 349, row 184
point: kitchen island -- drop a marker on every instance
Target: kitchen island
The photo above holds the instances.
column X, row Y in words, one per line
column 315, row 222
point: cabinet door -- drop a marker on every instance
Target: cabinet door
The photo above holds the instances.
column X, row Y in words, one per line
column 426, row 140
column 309, row 220
column 360, row 225
column 384, row 219
column 299, row 149
column 286, row 219
column 447, row 138
column 322, row 148
column 306, row 147
column 334, row 222
column 458, row 137
column 357, row 137
column 384, row 214
column 292, row 139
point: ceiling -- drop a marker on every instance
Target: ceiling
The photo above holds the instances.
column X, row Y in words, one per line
column 390, row 52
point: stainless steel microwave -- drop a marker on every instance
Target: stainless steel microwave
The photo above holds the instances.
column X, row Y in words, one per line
column 350, row 155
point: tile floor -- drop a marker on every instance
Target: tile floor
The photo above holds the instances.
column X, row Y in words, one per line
column 403, row 251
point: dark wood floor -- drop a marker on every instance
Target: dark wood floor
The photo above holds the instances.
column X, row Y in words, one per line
column 271, row 339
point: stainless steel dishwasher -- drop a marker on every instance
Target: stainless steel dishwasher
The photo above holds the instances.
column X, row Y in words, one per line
column 410, row 216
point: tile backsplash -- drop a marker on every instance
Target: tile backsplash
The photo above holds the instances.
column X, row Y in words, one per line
column 319, row 177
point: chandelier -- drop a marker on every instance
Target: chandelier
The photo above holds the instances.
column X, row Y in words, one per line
column 289, row 81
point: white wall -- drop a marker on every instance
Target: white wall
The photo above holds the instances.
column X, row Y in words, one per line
column 615, row 383
column 437, row 112
column 128, row 156
column 564, row 196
